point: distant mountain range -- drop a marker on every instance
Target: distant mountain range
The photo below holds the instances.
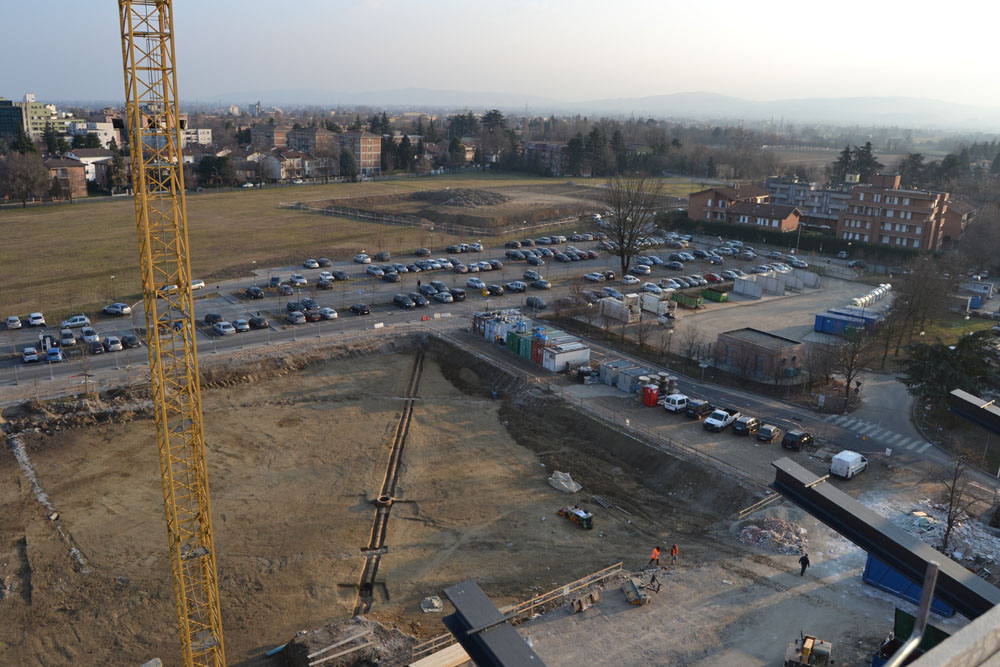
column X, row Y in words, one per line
column 882, row 111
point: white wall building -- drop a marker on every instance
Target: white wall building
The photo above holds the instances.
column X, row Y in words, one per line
column 192, row 137
column 105, row 131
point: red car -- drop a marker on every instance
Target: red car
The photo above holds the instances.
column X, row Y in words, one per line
column 713, row 277
column 312, row 316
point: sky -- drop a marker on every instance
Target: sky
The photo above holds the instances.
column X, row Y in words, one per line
column 563, row 50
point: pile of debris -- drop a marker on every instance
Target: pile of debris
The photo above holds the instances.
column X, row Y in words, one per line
column 969, row 539
column 464, row 197
column 356, row 641
column 775, row 535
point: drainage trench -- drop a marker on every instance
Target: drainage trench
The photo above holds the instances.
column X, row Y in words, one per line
column 376, row 548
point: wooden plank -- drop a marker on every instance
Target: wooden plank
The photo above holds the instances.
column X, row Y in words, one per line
column 340, row 643
column 345, row 652
column 452, row 656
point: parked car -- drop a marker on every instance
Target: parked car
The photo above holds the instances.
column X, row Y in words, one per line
column 842, row 254
column 13, row 322
column 362, row 258
column 324, row 262
column 197, row 285
column 535, row 303
column 443, row 297
column 531, row 274
column 76, row 321
column 422, row 252
column 324, row 284
column 36, row 320
column 629, row 280
column 274, row 282
column 713, row 277
column 373, row 270
column 340, row 275
column 746, row 426
column 419, row 300
column 391, row 277
column 241, row 326
column 130, row 340
column 29, row 355
column 212, row 318
column 312, row 315
column 89, row 335
column 310, row 264
column 327, row 313
column 403, row 301
column 697, row 409
column 594, row 277
column 640, row 270
column 768, row 433
column 847, row 464
column 674, row 265
column 298, row 280
column 66, row 338
column 797, row 440
column 258, row 322
column 285, row 290
column 112, row 344
column 457, row 293
column 612, row 292
column 541, row 284
column 253, row 292
column 361, row 309
column 535, row 261
column 475, row 283
column 494, row 290
column 119, row 309
column 295, row 317
column 223, row 328
column 516, row 286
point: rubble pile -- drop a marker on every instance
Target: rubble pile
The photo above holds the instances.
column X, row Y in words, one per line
column 775, row 535
column 464, row 197
column 969, row 539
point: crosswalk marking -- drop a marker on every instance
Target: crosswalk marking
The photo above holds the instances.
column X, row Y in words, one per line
column 923, row 447
column 850, row 423
column 894, row 438
column 911, row 443
column 840, row 419
column 868, row 430
column 878, row 433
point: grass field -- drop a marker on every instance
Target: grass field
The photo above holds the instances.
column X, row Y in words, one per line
column 60, row 259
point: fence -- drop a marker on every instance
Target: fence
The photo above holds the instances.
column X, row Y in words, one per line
column 512, row 611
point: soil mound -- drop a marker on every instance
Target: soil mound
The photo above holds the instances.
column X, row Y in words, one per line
column 774, row 534
column 463, row 197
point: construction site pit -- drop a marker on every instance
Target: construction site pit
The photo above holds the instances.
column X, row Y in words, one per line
column 299, row 456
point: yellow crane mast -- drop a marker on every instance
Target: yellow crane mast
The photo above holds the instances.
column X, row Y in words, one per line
column 161, row 217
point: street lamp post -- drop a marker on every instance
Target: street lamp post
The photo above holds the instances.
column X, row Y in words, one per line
column 114, row 292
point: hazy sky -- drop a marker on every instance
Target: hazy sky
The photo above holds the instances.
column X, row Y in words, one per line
column 566, row 50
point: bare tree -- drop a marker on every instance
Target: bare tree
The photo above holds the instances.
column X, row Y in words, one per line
column 643, row 330
column 630, row 201
column 744, row 361
column 689, row 342
column 665, row 338
column 958, row 500
column 23, row 176
column 819, row 361
column 859, row 350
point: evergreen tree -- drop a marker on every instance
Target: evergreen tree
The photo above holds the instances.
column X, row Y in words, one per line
column 348, row 165
column 842, row 166
column 51, row 138
column 995, row 167
column 618, row 151
column 575, row 155
column 865, row 163
column 433, row 136
column 404, row 153
column 22, row 143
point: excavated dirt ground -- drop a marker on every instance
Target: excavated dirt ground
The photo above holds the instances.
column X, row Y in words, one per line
column 293, row 463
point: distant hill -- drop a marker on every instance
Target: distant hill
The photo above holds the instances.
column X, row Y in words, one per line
column 406, row 97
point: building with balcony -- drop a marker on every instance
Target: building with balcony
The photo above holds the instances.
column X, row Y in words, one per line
column 959, row 215
column 310, row 139
column 263, row 135
column 881, row 212
column 71, row 174
column 818, row 206
column 367, row 149
column 714, row 203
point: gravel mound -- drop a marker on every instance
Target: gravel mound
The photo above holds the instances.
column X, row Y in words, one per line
column 464, row 197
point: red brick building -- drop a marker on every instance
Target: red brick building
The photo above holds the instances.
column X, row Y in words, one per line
column 957, row 217
column 367, row 149
column 72, row 175
column 881, row 212
column 772, row 216
column 714, row 204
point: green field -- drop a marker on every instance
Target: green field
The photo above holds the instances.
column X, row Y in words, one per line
column 60, row 259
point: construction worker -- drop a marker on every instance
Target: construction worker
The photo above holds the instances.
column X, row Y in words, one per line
column 674, row 551
column 655, row 556
column 804, row 562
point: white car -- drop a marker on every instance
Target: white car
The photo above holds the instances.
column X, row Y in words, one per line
column 328, row 313
column 13, row 322
column 594, row 277
column 223, row 329
column 630, row 280
column 325, row 275
column 475, row 283
column 117, row 309
column 298, row 280
column 89, row 335
column 66, row 338
column 362, row 258
column 76, row 321
column 247, row 185
column 476, row 247
column 36, row 320
column 29, row 355
column 310, row 264
column 197, row 284
column 112, row 344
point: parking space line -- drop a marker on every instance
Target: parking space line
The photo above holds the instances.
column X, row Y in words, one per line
column 923, row 447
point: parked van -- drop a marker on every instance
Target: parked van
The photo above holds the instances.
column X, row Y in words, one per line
column 847, row 464
column 675, row 403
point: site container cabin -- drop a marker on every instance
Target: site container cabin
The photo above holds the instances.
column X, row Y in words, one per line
column 837, row 325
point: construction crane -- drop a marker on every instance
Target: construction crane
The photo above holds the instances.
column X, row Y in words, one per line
column 147, row 29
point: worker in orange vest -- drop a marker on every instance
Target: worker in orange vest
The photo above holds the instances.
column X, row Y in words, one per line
column 655, row 557
column 673, row 553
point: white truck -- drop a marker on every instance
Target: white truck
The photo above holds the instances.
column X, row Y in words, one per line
column 675, row 403
column 847, row 464
column 720, row 419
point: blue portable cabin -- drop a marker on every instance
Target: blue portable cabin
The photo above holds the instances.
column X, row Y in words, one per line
column 880, row 575
column 871, row 318
column 837, row 325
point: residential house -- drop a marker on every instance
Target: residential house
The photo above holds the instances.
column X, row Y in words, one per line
column 881, row 212
column 714, row 203
column 773, row 216
column 266, row 134
column 310, row 139
column 90, row 157
column 283, row 164
column 72, row 175
column 759, row 355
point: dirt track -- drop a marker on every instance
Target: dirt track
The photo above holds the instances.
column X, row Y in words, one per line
column 294, row 462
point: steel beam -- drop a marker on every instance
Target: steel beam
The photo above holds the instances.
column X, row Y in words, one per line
column 492, row 642
column 957, row 587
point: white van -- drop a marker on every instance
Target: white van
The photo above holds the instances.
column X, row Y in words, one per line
column 847, row 464
column 675, row 403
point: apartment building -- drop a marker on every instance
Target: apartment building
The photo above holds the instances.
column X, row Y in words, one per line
column 367, row 149
column 310, row 139
column 104, row 131
column 71, row 174
column 881, row 212
column 195, row 136
column 714, row 203
column 266, row 134
column 12, row 119
column 818, row 206
column 548, row 155
column 959, row 215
